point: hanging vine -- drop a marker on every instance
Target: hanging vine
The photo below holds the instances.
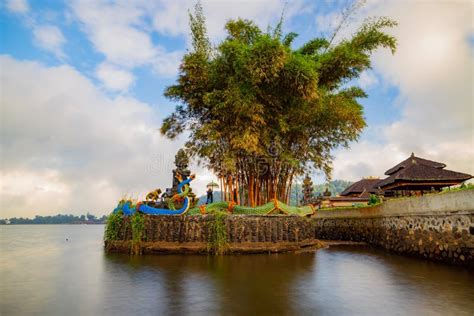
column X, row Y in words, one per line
column 113, row 226
column 137, row 222
column 218, row 242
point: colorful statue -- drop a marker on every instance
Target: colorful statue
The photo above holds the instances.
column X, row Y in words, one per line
column 182, row 197
column 153, row 196
column 175, row 201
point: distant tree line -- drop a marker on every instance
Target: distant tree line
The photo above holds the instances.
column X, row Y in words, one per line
column 335, row 187
column 56, row 219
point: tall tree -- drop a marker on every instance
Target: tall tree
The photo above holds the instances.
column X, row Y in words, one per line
column 260, row 113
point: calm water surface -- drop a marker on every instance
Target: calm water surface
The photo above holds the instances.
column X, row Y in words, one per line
column 42, row 273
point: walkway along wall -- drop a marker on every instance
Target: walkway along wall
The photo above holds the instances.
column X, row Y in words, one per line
column 437, row 227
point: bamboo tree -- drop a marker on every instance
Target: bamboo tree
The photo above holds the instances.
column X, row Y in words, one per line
column 260, row 113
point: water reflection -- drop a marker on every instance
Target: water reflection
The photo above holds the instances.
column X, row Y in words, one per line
column 41, row 273
column 221, row 285
column 335, row 281
column 366, row 281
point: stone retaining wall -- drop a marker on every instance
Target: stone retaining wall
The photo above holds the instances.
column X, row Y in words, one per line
column 245, row 233
column 436, row 227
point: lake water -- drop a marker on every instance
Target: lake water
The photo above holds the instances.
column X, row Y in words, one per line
column 42, row 273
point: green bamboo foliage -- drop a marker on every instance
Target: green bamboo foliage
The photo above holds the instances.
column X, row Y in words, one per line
column 260, row 112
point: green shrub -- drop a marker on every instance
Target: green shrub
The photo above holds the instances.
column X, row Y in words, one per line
column 374, row 199
column 113, row 225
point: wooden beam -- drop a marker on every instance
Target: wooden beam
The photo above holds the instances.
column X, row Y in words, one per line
column 416, row 184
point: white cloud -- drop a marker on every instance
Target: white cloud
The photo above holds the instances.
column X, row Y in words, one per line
column 326, row 23
column 366, row 159
column 367, row 80
column 171, row 17
column 46, row 36
column 433, row 71
column 111, row 28
column 119, row 31
column 167, row 63
column 23, row 190
column 122, row 31
column 18, row 6
column 67, row 147
column 114, row 78
column 49, row 38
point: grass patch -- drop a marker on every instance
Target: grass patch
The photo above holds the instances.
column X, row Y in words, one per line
column 464, row 186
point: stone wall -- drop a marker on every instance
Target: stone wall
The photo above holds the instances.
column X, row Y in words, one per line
column 436, row 227
column 244, row 233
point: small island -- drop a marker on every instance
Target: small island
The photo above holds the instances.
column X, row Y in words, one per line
column 259, row 113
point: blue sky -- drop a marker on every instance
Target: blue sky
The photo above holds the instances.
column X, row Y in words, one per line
column 83, row 81
column 18, row 40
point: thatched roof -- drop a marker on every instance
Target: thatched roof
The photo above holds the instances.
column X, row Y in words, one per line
column 362, row 186
column 416, row 172
column 413, row 159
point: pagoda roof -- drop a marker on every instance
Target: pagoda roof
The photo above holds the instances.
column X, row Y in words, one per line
column 413, row 159
column 362, row 186
column 422, row 174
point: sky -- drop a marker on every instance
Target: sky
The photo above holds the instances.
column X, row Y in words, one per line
column 82, row 86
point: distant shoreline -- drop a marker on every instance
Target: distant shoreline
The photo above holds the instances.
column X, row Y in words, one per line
column 86, row 219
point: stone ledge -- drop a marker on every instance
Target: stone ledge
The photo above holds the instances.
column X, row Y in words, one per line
column 458, row 203
column 163, row 247
column 366, row 215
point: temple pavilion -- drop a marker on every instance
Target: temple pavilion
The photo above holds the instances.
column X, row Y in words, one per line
column 413, row 176
column 420, row 175
column 357, row 193
column 363, row 188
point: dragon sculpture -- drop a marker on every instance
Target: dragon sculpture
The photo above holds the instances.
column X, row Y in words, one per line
column 180, row 200
column 183, row 197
